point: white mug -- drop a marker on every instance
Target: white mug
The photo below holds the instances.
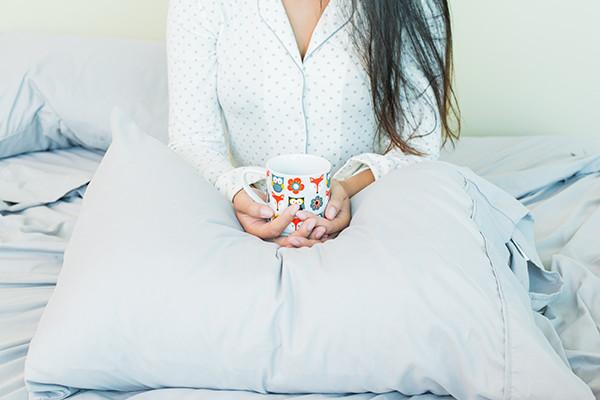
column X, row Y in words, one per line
column 302, row 179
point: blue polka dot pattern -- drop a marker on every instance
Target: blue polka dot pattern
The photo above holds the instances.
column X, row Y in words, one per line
column 240, row 93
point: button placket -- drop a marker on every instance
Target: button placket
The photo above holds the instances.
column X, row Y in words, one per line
column 303, row 100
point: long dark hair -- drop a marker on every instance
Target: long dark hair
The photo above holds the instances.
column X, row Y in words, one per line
column 385, row 32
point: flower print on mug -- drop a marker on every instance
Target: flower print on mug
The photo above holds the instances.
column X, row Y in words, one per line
column 295, row 185
column 316, row 203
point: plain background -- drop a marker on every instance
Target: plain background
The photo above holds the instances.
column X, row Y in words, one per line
column 523, row 67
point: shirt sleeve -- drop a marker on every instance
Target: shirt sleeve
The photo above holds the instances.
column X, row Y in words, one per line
column 196, row 124
column 381, row 164
column 422, row 127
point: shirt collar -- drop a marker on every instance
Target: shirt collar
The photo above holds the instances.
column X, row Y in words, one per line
column 274, row 15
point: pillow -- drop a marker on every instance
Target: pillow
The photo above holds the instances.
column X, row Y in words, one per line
column 58, row 91
column 161, row 288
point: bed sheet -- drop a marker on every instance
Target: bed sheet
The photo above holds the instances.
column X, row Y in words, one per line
column 34, row 230
column 558, row 178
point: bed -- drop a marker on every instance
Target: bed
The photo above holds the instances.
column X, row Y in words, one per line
column 557, row 178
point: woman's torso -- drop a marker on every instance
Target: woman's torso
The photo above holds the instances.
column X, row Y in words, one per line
column 274, row 102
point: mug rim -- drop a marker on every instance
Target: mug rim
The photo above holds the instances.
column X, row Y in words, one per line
column 322, row 165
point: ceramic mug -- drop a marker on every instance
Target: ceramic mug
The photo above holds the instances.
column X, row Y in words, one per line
column 302, row 179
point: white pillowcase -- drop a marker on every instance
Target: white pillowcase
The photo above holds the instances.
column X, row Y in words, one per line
column 58, row 91
column 161, row 288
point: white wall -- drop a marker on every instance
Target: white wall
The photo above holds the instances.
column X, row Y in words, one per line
column 130, row 18
column 523, row 66
column 528, row 66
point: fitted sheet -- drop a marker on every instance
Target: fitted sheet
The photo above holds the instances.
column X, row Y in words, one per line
column 556, row 177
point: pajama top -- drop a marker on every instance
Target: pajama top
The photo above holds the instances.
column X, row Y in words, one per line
column 240, row 93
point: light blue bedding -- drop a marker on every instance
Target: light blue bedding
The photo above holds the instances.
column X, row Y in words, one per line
column 44, row 177
column 32, row 242
column 200, row 394
column 42, row 107
column 415, row 296
column 563, row 199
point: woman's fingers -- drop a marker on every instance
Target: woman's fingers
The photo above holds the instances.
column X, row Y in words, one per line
column 306, row 236
column 305, row 229
column 331, row 226
column 274, row 228
column 318, row 233
column 312, row 230
column 333, row 207
column 295, row 241
column 335, row 204
column 282, row 241
column 298, row 241
column 303, row 237
column 243, row 203
column 279, row 224
column 336, row 225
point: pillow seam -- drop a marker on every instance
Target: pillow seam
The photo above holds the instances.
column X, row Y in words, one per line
column 507, row 395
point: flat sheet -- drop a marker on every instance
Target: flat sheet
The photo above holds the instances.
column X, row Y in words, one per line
column 44, row 177
column 558, row 178
column 33, row 236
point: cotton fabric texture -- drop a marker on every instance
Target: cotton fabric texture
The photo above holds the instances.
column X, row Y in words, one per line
column 161, row 287
column 57, row 91
column 240, row 92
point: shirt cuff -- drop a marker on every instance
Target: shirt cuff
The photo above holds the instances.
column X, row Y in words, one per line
column 379, row 164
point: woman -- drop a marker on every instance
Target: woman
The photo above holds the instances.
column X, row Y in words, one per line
column 365, row 84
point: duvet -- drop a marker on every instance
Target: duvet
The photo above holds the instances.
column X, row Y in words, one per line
column 435, row 287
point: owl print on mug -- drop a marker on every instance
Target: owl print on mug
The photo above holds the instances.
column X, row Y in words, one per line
column 277, row 182
column 296, row 200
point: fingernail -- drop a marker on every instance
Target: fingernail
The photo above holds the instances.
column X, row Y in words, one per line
column 331, row 212
column 319, row 232
column 266, row 212
column 310, row 224
column 302, row 214
column 294, row 208
column 295, row 241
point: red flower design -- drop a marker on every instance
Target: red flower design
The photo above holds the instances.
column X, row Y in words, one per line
column 295, row 185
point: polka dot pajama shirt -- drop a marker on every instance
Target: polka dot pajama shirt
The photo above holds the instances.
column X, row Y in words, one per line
column 240, row 93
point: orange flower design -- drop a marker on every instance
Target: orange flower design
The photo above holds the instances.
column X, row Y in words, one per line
column 295, row 185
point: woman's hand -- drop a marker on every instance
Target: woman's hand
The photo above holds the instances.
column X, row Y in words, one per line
column 254, row 217
column 337, row 212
